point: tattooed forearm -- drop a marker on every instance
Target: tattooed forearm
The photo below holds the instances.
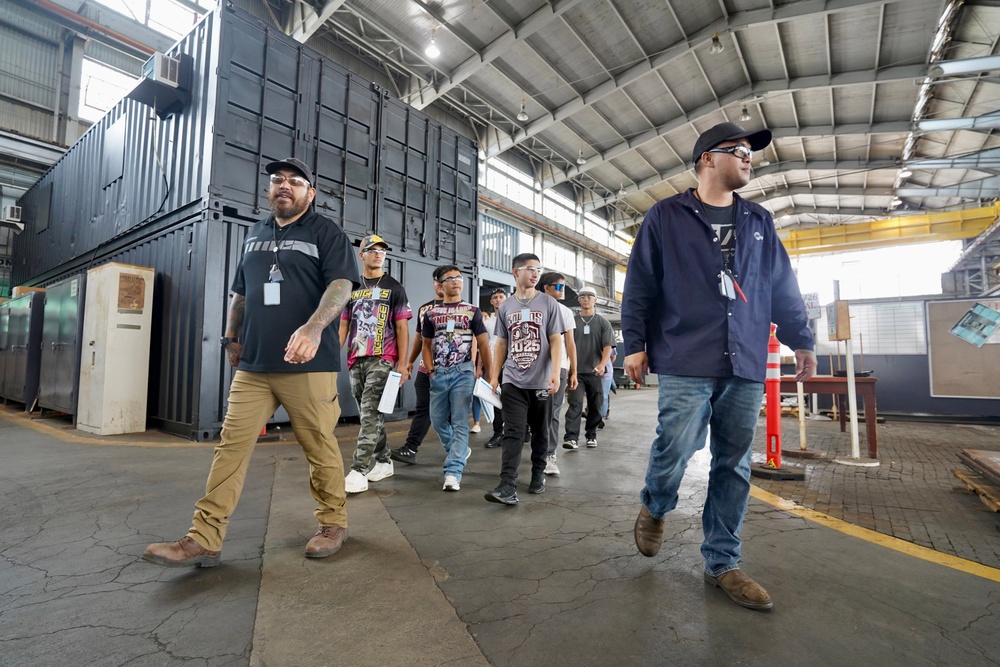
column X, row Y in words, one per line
column 237, row 311
column 332, row 303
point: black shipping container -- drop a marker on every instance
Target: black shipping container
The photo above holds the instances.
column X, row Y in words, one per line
column 179, row 193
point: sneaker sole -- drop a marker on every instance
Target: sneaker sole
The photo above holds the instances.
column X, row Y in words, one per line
column 400, row 459
column 594, row 446
column 537, row 491
column 200, row 561
column 355, row 490
column 493, row 499
column 552, row 473
column 452, row 488
column 565, row 446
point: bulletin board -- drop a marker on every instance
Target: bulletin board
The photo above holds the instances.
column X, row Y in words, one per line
column 959, row 369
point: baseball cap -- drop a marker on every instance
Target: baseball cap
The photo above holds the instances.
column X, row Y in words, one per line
column 586, row 290
column 499, row 290
column 727, row 132
column 373, row 240
column 292, row 163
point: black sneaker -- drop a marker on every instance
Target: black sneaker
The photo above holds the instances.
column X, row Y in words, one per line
column 537, row 482
column 404, row 454
column 505, row 493
column 493, row 442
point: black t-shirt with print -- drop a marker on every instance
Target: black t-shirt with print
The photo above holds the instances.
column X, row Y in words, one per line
column 312, row 253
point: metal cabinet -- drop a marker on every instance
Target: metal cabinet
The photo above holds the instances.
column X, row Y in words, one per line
column 23, row 348
column 62, row 328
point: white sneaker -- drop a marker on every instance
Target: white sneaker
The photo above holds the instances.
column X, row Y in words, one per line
column 550, row 465
column 475, row 428
column 355, row 482
column 380, row 471
column 451, row 483
column 570, row 444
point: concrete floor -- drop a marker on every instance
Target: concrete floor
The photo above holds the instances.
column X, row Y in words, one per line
column 432, row 578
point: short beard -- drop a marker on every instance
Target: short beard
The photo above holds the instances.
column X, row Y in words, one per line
column 292, row 210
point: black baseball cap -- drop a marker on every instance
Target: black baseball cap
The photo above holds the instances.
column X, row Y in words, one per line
column 292, row 163
column 499, row 290
column 711, row 138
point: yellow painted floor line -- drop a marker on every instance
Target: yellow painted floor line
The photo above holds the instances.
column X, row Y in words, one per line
column 887, row 541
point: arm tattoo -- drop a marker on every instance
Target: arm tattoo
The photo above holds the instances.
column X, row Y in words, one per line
column 332, row 303
column 237, row 311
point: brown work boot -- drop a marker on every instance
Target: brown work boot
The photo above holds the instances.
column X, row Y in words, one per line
column 648, row 533
column 185, row 552
column 326, row 542
column 741, row 589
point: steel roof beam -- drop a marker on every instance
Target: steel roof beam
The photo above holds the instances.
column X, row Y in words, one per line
column 985, row 122
column 302, row 19
column 985, row 188
column 988, row 159
column 902, row 73
column 545, row 14
column 736, row 21
column 964, row 66
column 774, row 167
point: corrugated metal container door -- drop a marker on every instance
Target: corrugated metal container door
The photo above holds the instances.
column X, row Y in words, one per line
column 457, row 167
column 406, row 138
column 347, row 110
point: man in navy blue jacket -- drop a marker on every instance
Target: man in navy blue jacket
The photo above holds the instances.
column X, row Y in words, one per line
column 706, row 277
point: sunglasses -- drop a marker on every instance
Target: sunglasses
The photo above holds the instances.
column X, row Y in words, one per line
column 742, row 152
column 533, row 269
column 557, row 286
column 376, row 251
column 296, row 181
column 451, row 279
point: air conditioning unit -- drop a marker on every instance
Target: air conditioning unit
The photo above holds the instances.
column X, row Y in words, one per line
column 12, row 213
column 162, row 69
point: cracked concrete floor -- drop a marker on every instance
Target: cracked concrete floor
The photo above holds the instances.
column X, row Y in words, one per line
column 433, row 578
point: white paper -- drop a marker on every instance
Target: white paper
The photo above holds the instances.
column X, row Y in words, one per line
column 388, row 402
column 487, row 411
column 484, row 392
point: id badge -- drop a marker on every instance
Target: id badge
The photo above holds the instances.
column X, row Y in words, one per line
column 272, row 294
column 726, row 286
column 586, row 329
column 376, row 293
column 525, row 314
column 450, row 326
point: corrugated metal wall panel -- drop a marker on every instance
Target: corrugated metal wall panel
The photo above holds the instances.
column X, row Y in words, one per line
column 24, row 120
column 112, row 57
column 30, row 22
column 29, row 68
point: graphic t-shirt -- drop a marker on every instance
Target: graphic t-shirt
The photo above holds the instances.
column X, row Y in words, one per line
column 420, row 328
column 453, row 328
column 528, row 365
column 373, row 311
column 722, row 218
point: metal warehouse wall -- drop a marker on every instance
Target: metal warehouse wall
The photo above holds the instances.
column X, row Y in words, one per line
column 257, row 96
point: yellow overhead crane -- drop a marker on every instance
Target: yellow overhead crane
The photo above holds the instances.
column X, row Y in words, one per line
column 923, row 228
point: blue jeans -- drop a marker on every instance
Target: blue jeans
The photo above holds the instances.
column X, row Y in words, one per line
column 606, row 384
column 451, row 399
column 688, row 408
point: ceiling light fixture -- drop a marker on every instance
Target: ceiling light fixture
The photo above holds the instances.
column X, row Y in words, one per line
column 580, row 159
column 745, row 116
column 432, row 50
column 763, row 163
column 621, row 191
column 717, row 46
column 522, row 115
column 906, row 173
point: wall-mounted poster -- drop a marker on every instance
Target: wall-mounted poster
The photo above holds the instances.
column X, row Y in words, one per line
column 977, row 325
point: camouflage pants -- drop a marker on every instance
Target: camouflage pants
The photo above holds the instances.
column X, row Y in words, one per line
column 368, row 377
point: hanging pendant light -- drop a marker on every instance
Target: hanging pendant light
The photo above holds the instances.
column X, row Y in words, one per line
column 580, row 159
column 745, row 116
column 621, row 191
column 716, row 46
column 432, row 50
column 522, row 115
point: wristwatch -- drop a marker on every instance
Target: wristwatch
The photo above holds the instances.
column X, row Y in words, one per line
column 224, row 341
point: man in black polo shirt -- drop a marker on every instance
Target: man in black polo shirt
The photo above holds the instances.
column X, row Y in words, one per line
column 296, row 274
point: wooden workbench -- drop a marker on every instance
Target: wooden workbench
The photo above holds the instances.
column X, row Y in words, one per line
column 828, row 384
